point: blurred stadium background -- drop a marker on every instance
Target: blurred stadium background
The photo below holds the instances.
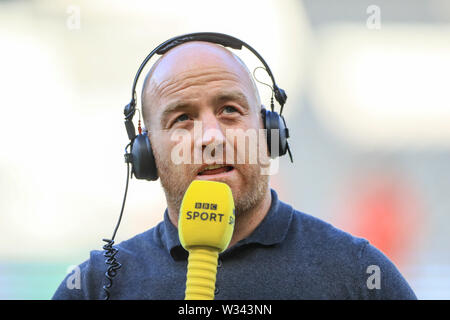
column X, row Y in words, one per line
column 368, row 110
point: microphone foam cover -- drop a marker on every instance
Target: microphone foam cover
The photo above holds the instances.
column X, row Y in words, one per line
column 206, row 215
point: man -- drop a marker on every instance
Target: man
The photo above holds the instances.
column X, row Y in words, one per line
column 276, row 252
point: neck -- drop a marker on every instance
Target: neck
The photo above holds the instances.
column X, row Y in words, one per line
column 246, row 222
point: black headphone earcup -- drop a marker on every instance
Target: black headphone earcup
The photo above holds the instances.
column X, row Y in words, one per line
column 273, row 121
column 284, row 135
column 142, row 158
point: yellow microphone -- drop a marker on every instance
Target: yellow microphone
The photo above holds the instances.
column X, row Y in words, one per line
column 205, row 227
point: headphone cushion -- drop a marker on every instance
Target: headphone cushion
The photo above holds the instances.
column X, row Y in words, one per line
column 143, row 160
column 273, row 121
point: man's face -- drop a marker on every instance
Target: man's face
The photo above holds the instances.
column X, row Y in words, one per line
column 198, row 94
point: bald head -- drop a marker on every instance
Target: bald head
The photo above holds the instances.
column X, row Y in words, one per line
column 194, row 63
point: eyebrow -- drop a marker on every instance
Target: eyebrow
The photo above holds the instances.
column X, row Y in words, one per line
column 172, row 108
column 234, row 95
column 221, row 97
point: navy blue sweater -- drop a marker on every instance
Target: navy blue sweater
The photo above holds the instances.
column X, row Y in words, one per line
column 290, row 255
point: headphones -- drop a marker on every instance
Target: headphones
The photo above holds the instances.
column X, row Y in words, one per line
column 141, row 155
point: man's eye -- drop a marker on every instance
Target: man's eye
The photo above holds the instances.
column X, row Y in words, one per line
column 183, row 117
column 229, row 109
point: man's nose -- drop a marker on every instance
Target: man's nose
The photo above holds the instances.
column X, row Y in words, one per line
column 212, row 131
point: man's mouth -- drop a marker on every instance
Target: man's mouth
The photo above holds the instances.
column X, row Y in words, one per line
column 215, row 169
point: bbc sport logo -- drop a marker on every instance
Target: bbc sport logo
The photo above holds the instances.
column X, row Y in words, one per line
column 206, row 205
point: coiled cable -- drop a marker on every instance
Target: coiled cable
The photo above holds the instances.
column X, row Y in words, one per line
column 110, row 252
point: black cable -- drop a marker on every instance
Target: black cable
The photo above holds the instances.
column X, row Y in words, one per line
column 266, row 84
column 110, row 252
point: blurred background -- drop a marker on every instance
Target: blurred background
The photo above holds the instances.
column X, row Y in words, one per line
column 368, row 111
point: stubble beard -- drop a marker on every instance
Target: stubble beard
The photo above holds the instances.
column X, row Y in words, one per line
column 175, row 179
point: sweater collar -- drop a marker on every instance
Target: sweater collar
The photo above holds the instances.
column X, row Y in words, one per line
column 272, row 230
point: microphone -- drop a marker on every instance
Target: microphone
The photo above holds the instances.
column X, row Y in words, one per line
column 205, row 227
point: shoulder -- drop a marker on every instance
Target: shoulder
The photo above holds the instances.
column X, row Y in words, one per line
column 147, row 240
column 358, row 264
column 325, row 246
column 316, row 233
column 88, row 278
